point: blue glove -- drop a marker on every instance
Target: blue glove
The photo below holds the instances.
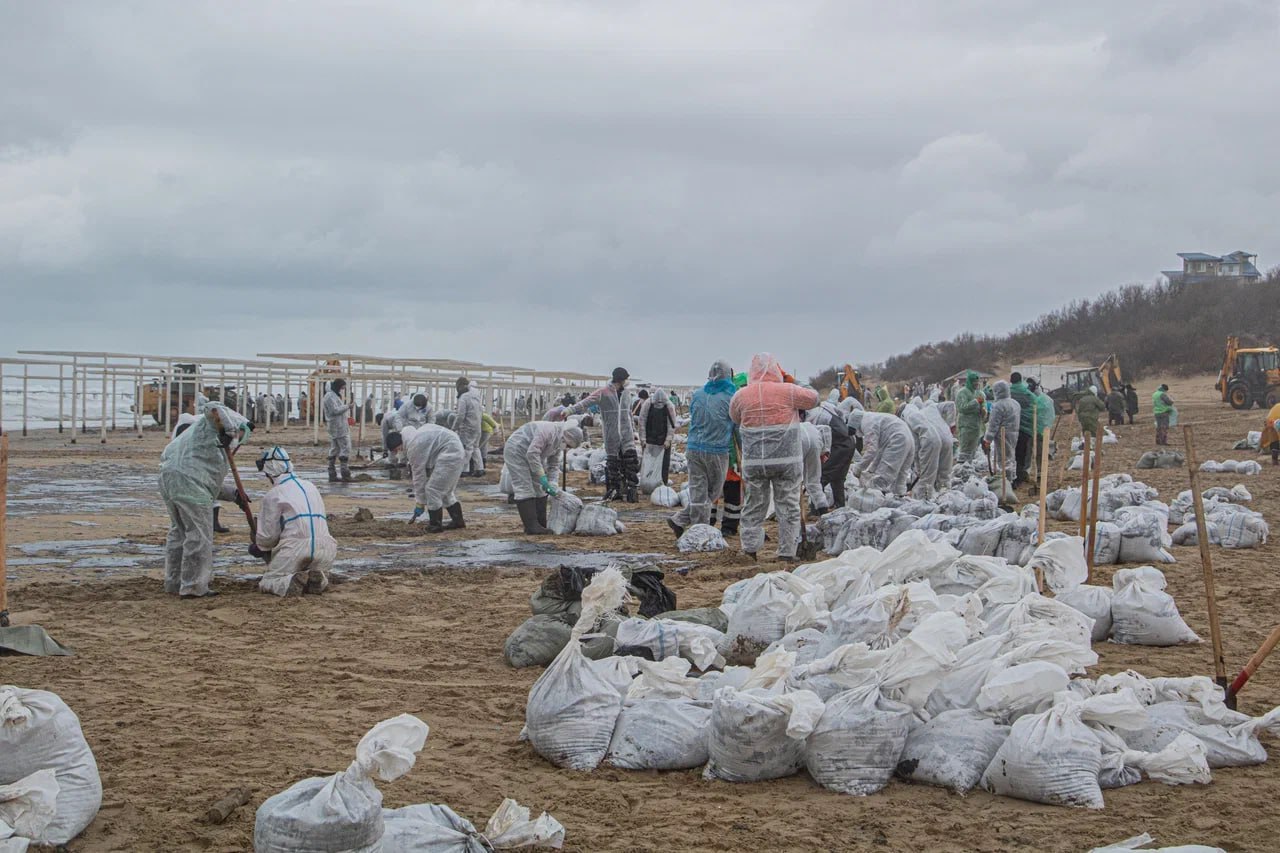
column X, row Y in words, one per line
column 548, row 487
column 418, row 511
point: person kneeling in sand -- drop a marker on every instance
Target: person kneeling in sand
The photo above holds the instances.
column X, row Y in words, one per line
column 293, row 531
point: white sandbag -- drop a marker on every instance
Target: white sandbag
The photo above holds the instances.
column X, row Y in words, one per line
column 597, row 465
column 1231, row 742
column 867, row 500
column 837, row 575
column 664, row 496
column 1027, row 688
column 1246, row 467
column 912, row 556
column 432, row 828
column 805, row 644
column 504, row 482
column 701, row 538
column 342, row 812
column 982, row 539
column 698, row 644
column 27, row 807
column 596, row 520
column 1094, row 602
column 1068, row 623
column 1188, row 534
column 763, row 604
column 1142, row 613
column 38, row 732
column 952, row 750
column 650, row 469
column 1063, row 563
column 1140, row 842
column 1053, row 757
column 665, row 679
column 1106, row 543
column 1238, row 527
column 563, row 512
column 756, row 735
column 661, row 734
column 1143, row 535
column 856, row 745
column 572, row 707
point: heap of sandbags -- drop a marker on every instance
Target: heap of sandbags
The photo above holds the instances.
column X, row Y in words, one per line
column 48, row 767
column 344, row 811
column 919, row 662
column 1244, row 467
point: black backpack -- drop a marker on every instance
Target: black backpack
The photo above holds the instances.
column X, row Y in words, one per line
column 656, row 424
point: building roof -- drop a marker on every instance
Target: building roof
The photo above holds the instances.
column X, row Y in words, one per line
column 1198, row 256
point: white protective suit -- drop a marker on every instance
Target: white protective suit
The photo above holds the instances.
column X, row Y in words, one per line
column 292, row 525
column 408, row 415
column 335, row 413
column 436, row 460
column 533, row 451
column 192, row 468
column 888, row 448
column 943, row 416
column 1004, row 420
column 815, row 442
column 467, row 425
column 928, row 447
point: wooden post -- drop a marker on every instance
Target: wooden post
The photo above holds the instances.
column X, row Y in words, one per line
column 1035, row 458
column 1001, row 462
column 1084, row 488
column 1044, row 483
column 60, row 398
column 1206, row 560
column 1093, row 503
column 24, row 399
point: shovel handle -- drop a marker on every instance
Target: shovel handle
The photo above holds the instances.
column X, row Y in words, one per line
column 1254, row 662
column 244, row 497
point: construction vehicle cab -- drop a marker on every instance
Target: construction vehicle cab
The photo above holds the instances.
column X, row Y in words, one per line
column 851, row 384
column 1249, row 376
column 1105, row 377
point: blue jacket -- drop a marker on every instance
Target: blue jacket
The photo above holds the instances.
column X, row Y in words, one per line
column 710, row 428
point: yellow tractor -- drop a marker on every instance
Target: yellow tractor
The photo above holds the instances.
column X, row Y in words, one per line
column 1105, row 376
column 183, row 391
column 1249, row 376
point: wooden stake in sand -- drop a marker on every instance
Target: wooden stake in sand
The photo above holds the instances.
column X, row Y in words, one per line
column 222, row 809
column 1093, row 502
column 1206, row 560
column 1084, row 488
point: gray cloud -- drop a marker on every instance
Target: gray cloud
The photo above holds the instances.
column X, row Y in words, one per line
column 582, row 184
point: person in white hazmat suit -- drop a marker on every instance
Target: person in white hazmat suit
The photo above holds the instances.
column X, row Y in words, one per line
column 293, row 531
column 888, row 447
column 622, row 467
column 467, row 425
column 336, row 413
column 944, row 417
column 192, row 468
column 815, row 443
column 532, row 458
column 410, row 414
column 1003, row 421
column 436, row 461
column 928, row 447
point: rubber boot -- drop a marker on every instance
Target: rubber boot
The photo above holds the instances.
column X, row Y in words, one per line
column 346, row 472
column 529, row 517
column 394, row 472
column 434, row 517
column 455, row 521
column 218, row 526
column 631, row 496
column 333, row 470
column 541, row 505
column 675, row 528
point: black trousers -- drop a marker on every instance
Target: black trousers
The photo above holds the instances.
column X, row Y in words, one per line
column 835, row 470
column 732, row 507
column 1022, row 451
column 1115, row 419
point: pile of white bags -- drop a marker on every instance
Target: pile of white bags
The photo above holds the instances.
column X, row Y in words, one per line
column 432, row 828
column 952, row 750
column 1161, row 459
column 758, row 734
column 39, row 732
column 563, row 511
column 857, row 743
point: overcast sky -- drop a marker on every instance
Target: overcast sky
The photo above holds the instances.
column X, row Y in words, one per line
column 584, row 184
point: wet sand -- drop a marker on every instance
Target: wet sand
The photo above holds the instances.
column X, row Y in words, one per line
column 183, row 701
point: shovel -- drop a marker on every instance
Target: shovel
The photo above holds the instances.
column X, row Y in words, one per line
column 20, row 639
column 808, row 550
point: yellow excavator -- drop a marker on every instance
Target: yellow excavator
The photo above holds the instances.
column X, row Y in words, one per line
column 851, row 384
column 1249, row 376
column 183, row 391
column 1105, row 376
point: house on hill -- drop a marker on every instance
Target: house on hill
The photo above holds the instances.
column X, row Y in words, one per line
column 1197, row 267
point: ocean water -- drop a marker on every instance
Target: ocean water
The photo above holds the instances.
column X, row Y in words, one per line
column 42, row 406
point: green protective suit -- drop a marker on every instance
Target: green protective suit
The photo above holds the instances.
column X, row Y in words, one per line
column 968, row 418
column 885, row 404
column 1045, row 415
column 1088, row 408
column 194, row 464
